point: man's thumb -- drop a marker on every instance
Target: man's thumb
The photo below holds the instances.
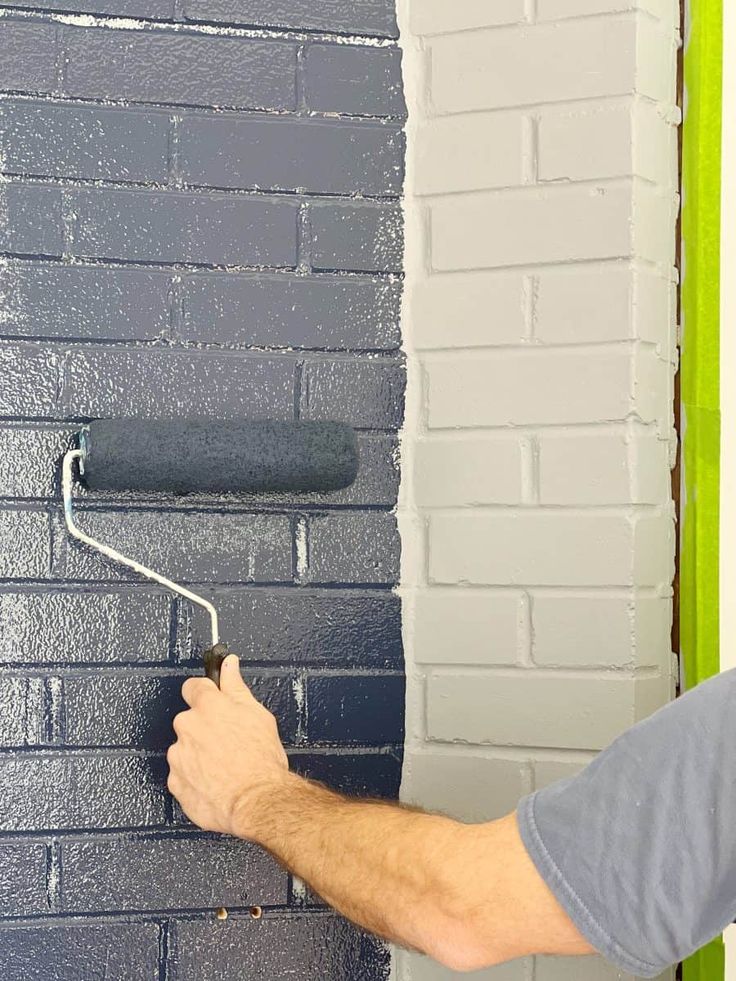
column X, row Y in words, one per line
column 231, row 679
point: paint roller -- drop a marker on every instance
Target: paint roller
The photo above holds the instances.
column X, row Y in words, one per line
column 206, row 457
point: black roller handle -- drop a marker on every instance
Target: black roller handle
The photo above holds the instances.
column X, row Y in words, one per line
column 213, row 658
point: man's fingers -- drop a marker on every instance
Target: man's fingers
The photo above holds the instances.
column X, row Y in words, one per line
column 231, row 680
column 194, row 688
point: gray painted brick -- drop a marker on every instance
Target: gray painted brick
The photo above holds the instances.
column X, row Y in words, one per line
column 53, row 300
column 131, row 951
column 56, row 628
column 284, row 154
column 376, row 17
column 363, row 710
column 152, row 9
column 359, row 81
column 27, row 56
column 143, row 873
column 162, row 384
column 580, row 969
column 23, row 885
column 24, row 545
column 354, row 548
column 275, row 949
column 21, row 712
column 29, row 375
column 423, row 968
column 296, row 312
column 80, row 790
column 468, row 788
column 186, row 547
column 29, row 460
column 367, row 394
column 31, row 219
column 91, row 143
column 187, row 69
column 362, row 237
column 218, row 229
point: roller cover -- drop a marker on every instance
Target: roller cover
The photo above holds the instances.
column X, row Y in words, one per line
column 202, row 456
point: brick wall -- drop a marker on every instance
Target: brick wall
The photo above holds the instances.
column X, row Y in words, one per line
column 199, row 218
column 536, row 514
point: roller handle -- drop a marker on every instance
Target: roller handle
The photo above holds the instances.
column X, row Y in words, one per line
column 213, row 658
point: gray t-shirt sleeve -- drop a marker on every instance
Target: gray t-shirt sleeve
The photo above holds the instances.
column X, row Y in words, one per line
column 640, row 848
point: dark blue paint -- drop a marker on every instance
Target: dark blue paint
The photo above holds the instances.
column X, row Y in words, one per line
column 368, row 774
column 369, row 394
column 361, row 82
column 375, row 17
column 27, row 56
column 358, row 710
column 367, row 237
column 32, row 221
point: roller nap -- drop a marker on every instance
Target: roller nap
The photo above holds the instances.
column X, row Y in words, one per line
column 202, row 456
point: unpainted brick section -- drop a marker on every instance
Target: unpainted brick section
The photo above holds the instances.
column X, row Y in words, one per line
column 357, row 237
column 21, row 712
column 457, row 626
column 29, row 460
column 30, row 378
column 148, row 873
column 27, row 56
column 24, row 545
column 367, row 393
column 359, row 710
column 356, row 81
column 473, row 472
column 31, row 219
column 469, row 153
column 374, row 17
column 353, row 548
column 23, row 887
column 439, row 17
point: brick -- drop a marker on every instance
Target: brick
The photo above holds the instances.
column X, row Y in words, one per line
column 148, row 226
column 470, row 153
column 90, row 143
column 150, row 9
column 528, row 387
column 186, row 547
column 636, row 139
column 526, row 708
column 470, row 310
column 598, row 224
column 294, row 312
column 601, row 631
column 547, row 772
column 31, row 219
column 354, row 548
column 186, row 69
column 357, row 81
column 550, row 549
column 162, row 384
column 578, row 969
column 23, row 883
column 27, row 56
column 534, row 65
column 358, row 710
column 418, row 968
column 29, row 460
column 559, row 9
column 316, row 155
column 30, row 377
column 138, row 710
column 437, row 17
column 131, row 951
column 469, row 788
column 274, row 949
column 21, row 712
column 83, row 628
column 24, row 545
column 461, row 627
column 363, row 237
column 459, row 473
column 75, row 790
column 78, row 303
column 376, row 17
column 364, row 774
column 147, row 873
column 331, row 628
column 366, row 394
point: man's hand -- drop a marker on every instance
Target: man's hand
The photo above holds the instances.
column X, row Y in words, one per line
column 227, row 753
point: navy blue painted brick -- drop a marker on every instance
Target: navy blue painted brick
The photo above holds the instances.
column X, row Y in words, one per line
column 180, row 68
column 27, row 56
column 40, row 627
column 29, row 459
column 284, row 154
column 168, row 226
column 146, row 873
column 76, row 141
column 138, row 711
column 276, row 948
column 83, row 303
column 29, row 379
column 369, row 394
column 305, row 626
column 358, row 710
column 22, row 880
column 153, row 9
column 21, row 712
column 92, row 951
column 187, row 547
column 24, row 545
column 374, row 17
column 31, row 219
column 354, row 547
column 366, row 237
column 162, row 384
column 359, row 81
column 290, row 311
column 49, row 791
column 369, row 774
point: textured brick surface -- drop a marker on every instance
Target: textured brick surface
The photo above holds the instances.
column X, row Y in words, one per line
column 24, row 545
column 21, row 712
column 473, row 789
column 368, row 774
column 363, row 238
column 353, row 548
column 23, row 887
column 357, row 710
column 154, row 9
column 349, row 16
column 27, row 56
column 30, row 377
column 355, row 81
column 454, row 473
column 31, row 219
column 28, row 460
column 462, row 627
column 367, row 394
column 470, row 153
column 436, row 17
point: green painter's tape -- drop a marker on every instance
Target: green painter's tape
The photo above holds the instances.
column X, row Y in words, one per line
column 701, row 224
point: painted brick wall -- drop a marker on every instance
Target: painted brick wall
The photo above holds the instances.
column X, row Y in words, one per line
column 536, row 511
column 198, row 218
